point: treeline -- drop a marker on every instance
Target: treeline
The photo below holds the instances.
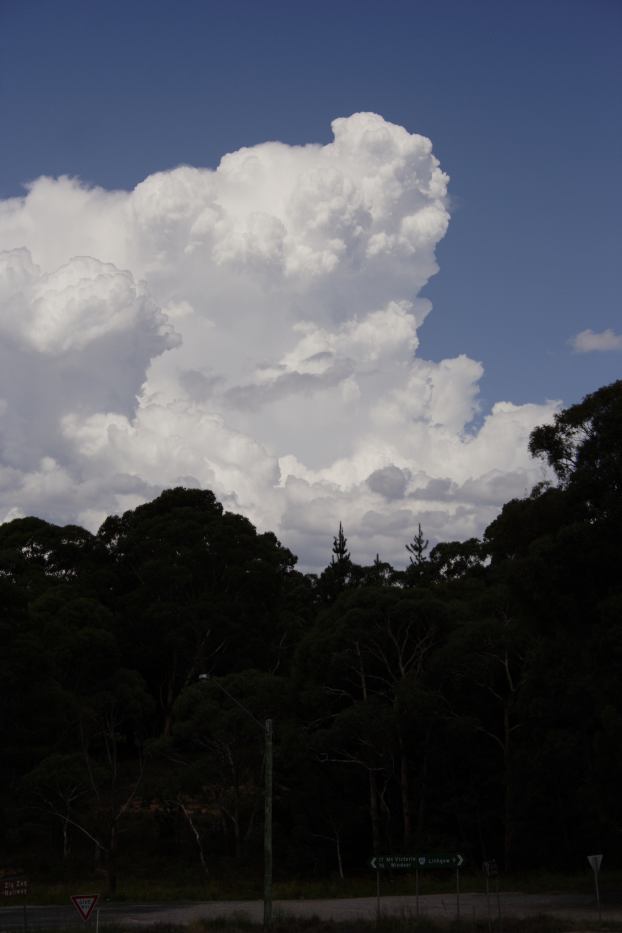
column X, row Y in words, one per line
column 470, row 703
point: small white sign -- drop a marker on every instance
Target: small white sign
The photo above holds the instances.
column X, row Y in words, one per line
column 595, row 861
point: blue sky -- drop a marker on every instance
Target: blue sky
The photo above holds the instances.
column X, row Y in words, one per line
column 520, row 99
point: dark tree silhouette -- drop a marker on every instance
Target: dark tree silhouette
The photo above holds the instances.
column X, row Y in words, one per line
column 341, row 554
column 417, row 548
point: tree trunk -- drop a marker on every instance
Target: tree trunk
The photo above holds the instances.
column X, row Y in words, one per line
column 374, row 812
column 507, row 798
column 66, row 845
column 167, row 725
column 338, row 852
column 237, row 836
column 405, row 792
column 197, row 837
column 422, row 797
column 111, row 862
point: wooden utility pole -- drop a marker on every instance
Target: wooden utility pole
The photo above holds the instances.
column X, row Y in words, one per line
column 267, row 835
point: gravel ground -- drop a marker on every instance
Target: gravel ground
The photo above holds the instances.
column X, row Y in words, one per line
column 578, row 908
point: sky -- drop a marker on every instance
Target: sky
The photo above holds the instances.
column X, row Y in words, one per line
column 333, row 261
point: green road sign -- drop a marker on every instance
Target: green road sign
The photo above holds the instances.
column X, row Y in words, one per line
column 414, row 862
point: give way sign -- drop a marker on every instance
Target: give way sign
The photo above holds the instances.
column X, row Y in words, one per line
column 595, row 862
column 84, row 904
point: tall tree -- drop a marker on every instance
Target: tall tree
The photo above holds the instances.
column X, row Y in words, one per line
column 198, row 589
column 340, row 573
column 341, row 554
column 366, row 657
column 583, row 446
column 417, row 548
column 417, row 572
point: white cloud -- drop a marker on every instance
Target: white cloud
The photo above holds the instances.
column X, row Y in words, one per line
column 254, row 330
column 588, row 341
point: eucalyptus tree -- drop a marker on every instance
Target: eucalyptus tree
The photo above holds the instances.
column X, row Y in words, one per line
column 362, row 666
column 218, row 747
column 196, row 589
column 583, row 447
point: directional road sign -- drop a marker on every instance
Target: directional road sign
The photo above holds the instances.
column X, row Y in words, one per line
column 414, row 862
column 84, row 904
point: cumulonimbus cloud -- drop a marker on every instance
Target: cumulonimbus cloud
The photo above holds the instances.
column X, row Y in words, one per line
column 254, row 329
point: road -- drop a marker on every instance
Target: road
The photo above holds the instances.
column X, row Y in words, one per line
column 575, row 907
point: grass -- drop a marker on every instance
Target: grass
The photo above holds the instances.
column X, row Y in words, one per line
column 241, row 924
column 170, row 889
column 386, row 925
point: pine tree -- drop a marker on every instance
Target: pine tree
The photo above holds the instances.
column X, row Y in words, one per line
column 417, row 548
column 381, row 572
column 341, row 554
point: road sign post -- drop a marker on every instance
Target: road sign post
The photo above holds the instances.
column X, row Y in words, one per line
column 595, row 863
column 487, row 869
column 415, row 863
column 491, row 870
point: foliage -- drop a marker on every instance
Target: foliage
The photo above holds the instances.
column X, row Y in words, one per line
column 470, row 703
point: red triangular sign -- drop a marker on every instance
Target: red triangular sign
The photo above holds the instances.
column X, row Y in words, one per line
column 84, row 904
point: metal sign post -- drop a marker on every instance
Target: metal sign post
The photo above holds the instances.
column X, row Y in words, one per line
column 491, row 870
column 408, row 863
column 267, row 830
column 595, row 863
column 487, row 876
